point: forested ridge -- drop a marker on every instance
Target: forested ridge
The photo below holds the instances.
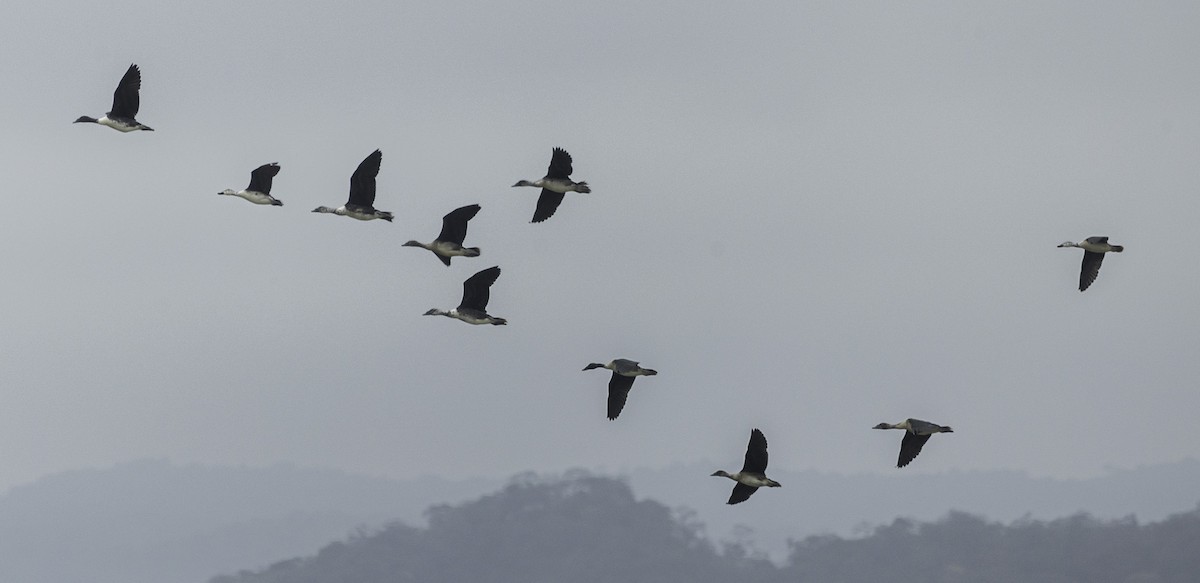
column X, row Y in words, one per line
column 585, row 529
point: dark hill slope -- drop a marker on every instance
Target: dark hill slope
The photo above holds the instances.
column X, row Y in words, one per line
column 582, row 529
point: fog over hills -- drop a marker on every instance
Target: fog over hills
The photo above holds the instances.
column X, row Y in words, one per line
column 151, row 520
column 588, row 529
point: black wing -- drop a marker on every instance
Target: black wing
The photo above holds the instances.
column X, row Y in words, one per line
column 756, row 454
column 1090, row 269
column 125, row 98
column 454, row 224
column 476, row 289
column 260, row 178
column 560, row 164
column 547, row 203
column 910, row 446
column 618, row 391
column 741, row 492
column 362, row 182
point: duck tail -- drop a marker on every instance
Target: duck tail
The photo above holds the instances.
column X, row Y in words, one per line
column 386, row 216
column 276, row 203
column 1118, row 248
column 499, row 322
column 582, row 187
column 471, row 252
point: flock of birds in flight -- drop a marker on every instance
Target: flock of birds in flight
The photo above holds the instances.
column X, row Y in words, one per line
column 473, row 307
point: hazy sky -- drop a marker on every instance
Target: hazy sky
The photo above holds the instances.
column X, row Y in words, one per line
column 810, row 217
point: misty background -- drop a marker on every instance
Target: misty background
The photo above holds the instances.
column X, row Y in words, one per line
column 152, row 520
column 809, row 217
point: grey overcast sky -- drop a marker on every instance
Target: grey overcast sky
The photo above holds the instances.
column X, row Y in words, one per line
column 809, row 216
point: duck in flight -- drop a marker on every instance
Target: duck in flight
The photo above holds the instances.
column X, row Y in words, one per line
column 124, row 106
column 624, row 372
column 753, row 475
column 362, row 193
column 449, row 242
column 473, row 309
column 259, row 191
column 916, row 433
column 554, row 185
column 1094, row 249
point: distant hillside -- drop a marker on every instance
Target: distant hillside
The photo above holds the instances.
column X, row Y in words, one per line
column 581, row 529
column 962, row 548
column 821, row 503
column 153, row 521
column 585, row 529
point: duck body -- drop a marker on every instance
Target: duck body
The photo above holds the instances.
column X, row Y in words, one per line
column 254, row 197
column 624, row 372
column 557, row 185
column 469, row 316
column 623, row 367
column 259, row 191
column 752, row 479
column 362, row 213
column 916, row 427
column 1095, row 245
column 445, row 249
column 1094, row 249
column 121, row 124
column 454, row 230
column 916, row 433
column 126, row 102
column 753, row 475
column 554, row 185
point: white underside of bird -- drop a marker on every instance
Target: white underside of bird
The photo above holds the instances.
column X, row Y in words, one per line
column 252, row 196
column 118, row 125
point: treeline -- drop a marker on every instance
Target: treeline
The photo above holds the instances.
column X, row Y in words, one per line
column 577, row 530
column 585, row 529
column 966, row 548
